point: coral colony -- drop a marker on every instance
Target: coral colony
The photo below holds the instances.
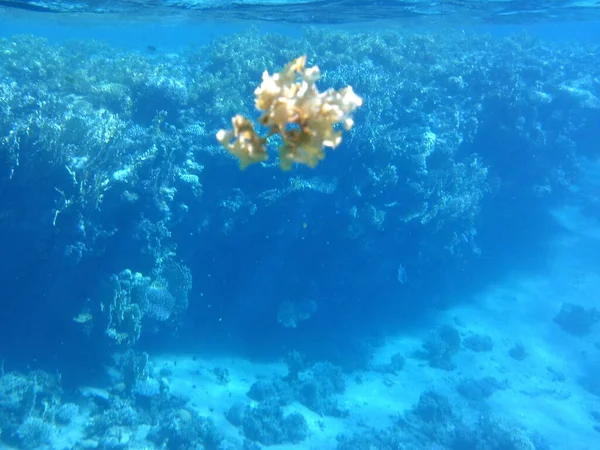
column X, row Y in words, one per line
column 293, row 108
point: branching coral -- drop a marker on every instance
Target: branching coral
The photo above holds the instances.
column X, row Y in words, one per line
column 293, row 108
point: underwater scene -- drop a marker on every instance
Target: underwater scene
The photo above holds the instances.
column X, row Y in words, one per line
column 289, row 225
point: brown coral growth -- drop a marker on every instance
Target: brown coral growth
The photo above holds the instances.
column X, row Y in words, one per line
column 293, row 108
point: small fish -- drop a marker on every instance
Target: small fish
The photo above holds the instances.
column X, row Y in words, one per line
column 401, row 274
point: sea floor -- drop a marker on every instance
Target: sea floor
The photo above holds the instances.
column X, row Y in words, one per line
column 543, row 393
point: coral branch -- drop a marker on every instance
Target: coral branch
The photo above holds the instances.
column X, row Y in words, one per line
column 293, row 108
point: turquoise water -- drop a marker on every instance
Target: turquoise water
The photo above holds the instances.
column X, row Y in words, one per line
column 431, row 282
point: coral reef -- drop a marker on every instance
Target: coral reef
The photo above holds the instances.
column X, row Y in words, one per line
column 266, row 423
column 31, row 407
column 115, row 195
column 433, row 423
column 440, row 346
column 576, row 320
column 114, row 155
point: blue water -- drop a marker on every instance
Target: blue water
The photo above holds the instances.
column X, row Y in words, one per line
column 431, row 283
